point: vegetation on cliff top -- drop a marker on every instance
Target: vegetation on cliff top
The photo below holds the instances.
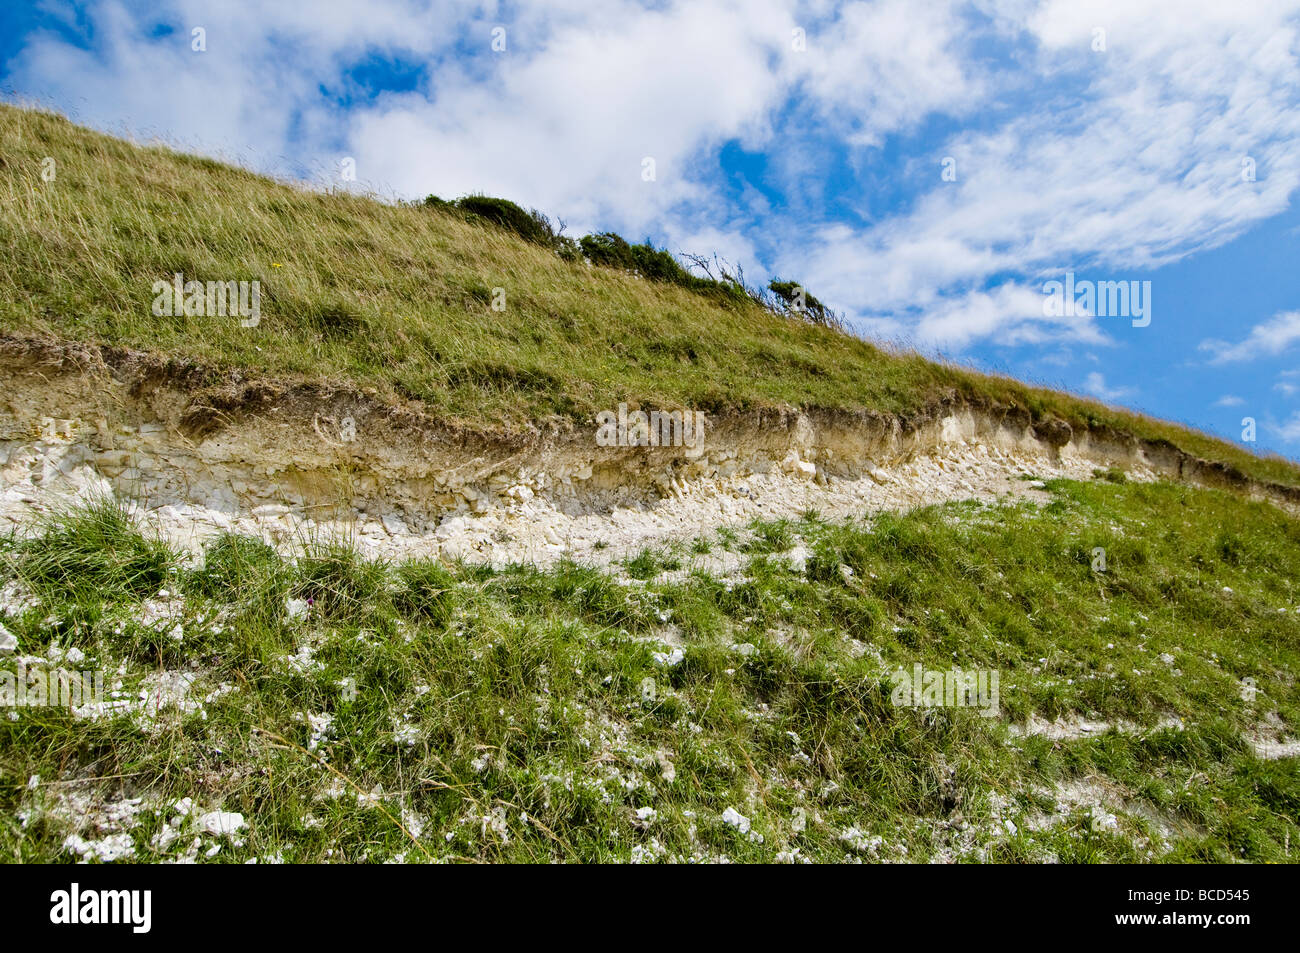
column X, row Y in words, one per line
column 430, row 304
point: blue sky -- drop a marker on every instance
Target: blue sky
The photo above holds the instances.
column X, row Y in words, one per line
column 1108, row 138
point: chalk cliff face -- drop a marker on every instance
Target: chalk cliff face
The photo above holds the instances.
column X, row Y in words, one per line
column 280, row 461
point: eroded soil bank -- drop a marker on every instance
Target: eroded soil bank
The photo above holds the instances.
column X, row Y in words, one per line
column 203, row 451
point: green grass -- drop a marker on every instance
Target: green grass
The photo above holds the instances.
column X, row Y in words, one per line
column 93, row 552
column 527, row 715
column 358, row 292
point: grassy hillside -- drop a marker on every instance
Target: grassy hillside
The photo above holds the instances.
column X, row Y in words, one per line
column 399, row 299
column 351, row 710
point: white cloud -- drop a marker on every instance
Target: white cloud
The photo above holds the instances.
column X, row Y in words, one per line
column 876, row 68
column 1265, row 340
column 1139, row 167
column 1228, row 400
column 253, row 94
column 1289, row 431
column 1095, row 383
column 1010, row 314
column 567, row 127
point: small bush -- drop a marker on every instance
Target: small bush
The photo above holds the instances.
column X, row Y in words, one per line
column 506, row 214
column 568, row 249
column 530, row 225
column 797, row 300
column 611, row 250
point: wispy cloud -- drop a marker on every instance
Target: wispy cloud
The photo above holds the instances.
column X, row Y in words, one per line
column 1138, row 163
column 1264, row 340
column 1289, row 430
column 1095, row 383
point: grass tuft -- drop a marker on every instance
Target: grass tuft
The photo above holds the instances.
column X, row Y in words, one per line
column 93, row 551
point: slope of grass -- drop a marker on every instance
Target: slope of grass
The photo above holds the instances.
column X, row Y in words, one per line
column 401, row 299
column 350, row 710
